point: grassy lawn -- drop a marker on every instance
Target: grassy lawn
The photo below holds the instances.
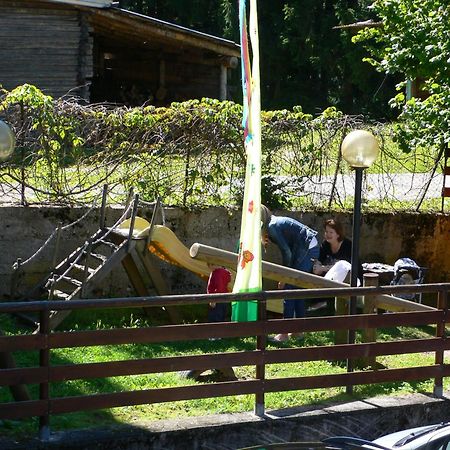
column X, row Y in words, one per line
column 194, row 407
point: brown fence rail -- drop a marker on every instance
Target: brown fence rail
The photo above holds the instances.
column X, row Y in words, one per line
column 45, row 340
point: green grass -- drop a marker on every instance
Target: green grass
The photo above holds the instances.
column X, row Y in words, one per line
column 179, row 409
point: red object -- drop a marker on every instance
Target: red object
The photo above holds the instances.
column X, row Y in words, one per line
column 218, row 281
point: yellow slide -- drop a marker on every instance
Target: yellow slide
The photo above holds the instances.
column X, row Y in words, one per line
column 165, row 245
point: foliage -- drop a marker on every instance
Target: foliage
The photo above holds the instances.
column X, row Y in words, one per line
column 414, row 43
column 189, row 154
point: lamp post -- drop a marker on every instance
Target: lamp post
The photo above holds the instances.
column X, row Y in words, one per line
column 360, row 150
column 7, row 141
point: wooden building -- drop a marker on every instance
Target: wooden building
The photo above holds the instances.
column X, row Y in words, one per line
column 95, row 50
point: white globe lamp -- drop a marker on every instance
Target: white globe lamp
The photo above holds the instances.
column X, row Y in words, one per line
column 360, row 149
column 7, row 141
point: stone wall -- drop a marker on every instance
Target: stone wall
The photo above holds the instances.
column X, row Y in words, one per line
column 367, row 419
column 384, row 238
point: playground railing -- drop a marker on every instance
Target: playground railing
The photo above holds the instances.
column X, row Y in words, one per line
column 46, row 340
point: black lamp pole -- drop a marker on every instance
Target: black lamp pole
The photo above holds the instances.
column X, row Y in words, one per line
column 355, row 259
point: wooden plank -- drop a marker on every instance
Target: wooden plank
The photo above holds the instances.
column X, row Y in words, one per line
column 39, row 52
column 22, row 342
column 157, row 280
column 236, row 359
column 149, row 396
column 51, row 61
column 32, row 408
column 344, row 351
column 446, row 192
column 38, row 6
column 69, row 39
column 170, row 333
column 29, row 375
column 354, row 378
column 19, row 48
column 153, row 365
column 16, row 20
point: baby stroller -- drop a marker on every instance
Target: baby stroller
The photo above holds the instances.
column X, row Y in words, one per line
column 407, row 271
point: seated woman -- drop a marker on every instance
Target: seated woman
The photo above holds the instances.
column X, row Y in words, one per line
column 335, row 248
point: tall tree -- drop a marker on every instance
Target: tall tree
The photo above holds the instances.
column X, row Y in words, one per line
column 312, row 64
column 415, row 42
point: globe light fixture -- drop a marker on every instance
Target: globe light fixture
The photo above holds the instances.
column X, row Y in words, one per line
column 7, row 140
column 360, row 149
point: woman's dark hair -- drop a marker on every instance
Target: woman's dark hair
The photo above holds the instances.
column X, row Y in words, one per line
column 266, row 214
column 337, row 226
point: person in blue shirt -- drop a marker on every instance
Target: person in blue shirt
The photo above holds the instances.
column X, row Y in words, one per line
column 299, row 248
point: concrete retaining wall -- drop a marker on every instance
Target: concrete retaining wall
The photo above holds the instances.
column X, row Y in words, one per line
column 384, row 238
column 367, row 419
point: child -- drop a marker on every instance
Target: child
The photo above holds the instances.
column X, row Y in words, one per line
column 218, row 282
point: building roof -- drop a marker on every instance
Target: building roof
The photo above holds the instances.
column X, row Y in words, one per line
column 89, row 3
column 144, row 28
column 108, row 19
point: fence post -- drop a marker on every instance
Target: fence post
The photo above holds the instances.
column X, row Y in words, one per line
column 340, row 336
column 15, row 278
column 438, row 389
column 132, row 219
column 44, row 361
column 57, row 241
column 152, row 222
column 369, row 307
column 128, row 200
column 341, row 308
column 261, row 344
column 86, row 269
column 19, row 391
column 103, row 207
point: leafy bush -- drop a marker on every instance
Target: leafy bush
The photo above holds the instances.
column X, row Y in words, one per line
column 189, row 154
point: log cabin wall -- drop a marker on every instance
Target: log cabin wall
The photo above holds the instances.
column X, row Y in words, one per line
column 109, row 54
column 46, row 45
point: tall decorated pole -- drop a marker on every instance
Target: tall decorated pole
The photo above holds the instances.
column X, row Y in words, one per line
column 249, row 272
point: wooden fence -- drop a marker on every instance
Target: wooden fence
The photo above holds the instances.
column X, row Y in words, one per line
column 45, row 340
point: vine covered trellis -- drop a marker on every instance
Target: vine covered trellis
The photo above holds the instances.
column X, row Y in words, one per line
column 191, row 154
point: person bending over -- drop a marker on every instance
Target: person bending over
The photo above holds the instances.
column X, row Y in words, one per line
column 299, row 247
